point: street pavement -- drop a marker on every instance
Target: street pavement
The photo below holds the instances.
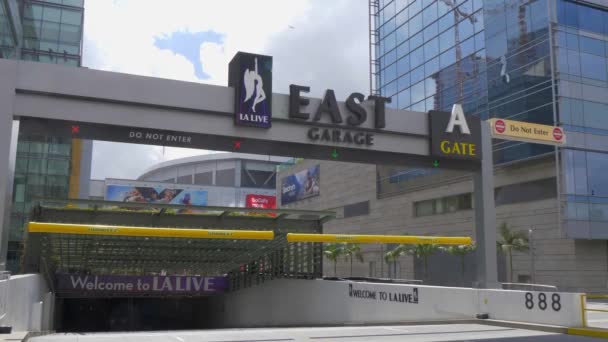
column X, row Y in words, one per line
column 597, row 319
column 414, row 333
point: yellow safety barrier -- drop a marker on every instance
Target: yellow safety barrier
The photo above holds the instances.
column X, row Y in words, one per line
column 86, row 229
column 431, row 240
column 584, row 307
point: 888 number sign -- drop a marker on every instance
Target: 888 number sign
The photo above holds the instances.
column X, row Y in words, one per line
column 543, row 301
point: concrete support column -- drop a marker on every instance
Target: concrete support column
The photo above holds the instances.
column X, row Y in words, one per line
column 8, row 150
column 485, row 215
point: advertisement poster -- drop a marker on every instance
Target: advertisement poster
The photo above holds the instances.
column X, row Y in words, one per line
column 260, row 201
column 161, row 194
column 301, row 185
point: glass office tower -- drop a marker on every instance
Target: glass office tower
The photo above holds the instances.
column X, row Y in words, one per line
column 541, row 61
column 48, row 31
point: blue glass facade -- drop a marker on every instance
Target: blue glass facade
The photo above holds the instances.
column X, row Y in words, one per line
column 433, row 54
column 581, row 46
column 541, row 61
column 48, row 31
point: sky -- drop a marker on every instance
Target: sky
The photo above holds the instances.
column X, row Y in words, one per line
column 319, row 43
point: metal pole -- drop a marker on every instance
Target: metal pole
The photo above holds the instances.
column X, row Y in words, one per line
column 485, row 214
column 531, row 243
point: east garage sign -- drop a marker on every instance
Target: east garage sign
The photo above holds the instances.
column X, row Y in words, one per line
column 245, row 116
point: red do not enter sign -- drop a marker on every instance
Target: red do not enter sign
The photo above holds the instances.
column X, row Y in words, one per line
column 500, row 126
column 558, row 133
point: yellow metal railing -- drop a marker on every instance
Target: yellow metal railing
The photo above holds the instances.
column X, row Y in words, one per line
column 89, row 229
column 585, row 309
column 431, row 240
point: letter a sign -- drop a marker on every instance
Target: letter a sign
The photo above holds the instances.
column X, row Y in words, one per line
column 457, row 119
column 455, row 135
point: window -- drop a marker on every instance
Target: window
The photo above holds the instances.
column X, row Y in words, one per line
column 525, row 192
column 592, row 66
column 590, row 45
column 204, row 178
column 424, row 208
column 417, row 92
column 404, row 98
column 187, row 179
column 37, row 166
column 443, row 205
column 58, row 167
column 597, row 164
column 447, row 39
column 356, row 209
column 447, row 58
column 403, row 65
column 429, row 14
column 224, row 177
column 431, row 48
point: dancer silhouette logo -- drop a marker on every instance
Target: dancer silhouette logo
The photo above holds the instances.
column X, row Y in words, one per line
column 251, row 77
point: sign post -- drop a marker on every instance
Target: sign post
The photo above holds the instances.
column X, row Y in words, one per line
column 455, row 136
column 485, row 215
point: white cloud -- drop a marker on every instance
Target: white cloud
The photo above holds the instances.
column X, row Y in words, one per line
column 327, row 48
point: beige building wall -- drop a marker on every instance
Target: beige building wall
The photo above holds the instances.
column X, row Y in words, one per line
column 569, row 264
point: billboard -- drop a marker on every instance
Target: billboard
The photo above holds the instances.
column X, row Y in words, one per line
column 260, row 201
column 251, row 77
column 155, row 194
column 301, row 185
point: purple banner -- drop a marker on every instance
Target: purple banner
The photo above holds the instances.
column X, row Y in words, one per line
column 140, row 285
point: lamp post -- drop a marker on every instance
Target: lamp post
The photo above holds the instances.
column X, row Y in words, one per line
column 531, row 246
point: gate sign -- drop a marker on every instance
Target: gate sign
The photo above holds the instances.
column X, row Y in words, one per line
column 251, row 77
column 528, row 132
column 454, row 135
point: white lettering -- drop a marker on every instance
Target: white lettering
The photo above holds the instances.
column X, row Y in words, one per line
column 457, row 119
column 167, row 284
column 198, row 283
column 78, row 282
column 289, row 188
column 208, row 284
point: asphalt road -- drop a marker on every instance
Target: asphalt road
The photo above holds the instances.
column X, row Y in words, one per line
column 415, row 333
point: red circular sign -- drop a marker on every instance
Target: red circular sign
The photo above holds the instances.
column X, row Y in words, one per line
column 558, row 134
column 500, row 126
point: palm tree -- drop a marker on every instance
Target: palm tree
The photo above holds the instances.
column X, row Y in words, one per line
column 423, row 251
column 353, row 250
column 511, row 241
column 394, row 254
column 460, row 251
column 333, row 251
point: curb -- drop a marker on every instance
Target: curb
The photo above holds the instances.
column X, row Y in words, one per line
column 521, row 325
column 590, row 332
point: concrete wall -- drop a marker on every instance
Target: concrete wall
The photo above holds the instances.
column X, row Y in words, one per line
column 318, row 302
column 572, row 265
column 29, row 303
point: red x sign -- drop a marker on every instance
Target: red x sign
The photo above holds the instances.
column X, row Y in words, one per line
column 236, row 144
column 75, row 129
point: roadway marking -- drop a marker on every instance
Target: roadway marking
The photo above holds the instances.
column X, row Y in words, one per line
column 411, row 334
column 272, row 340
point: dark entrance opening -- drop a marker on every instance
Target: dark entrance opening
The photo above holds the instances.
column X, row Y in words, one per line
column 134, row 314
